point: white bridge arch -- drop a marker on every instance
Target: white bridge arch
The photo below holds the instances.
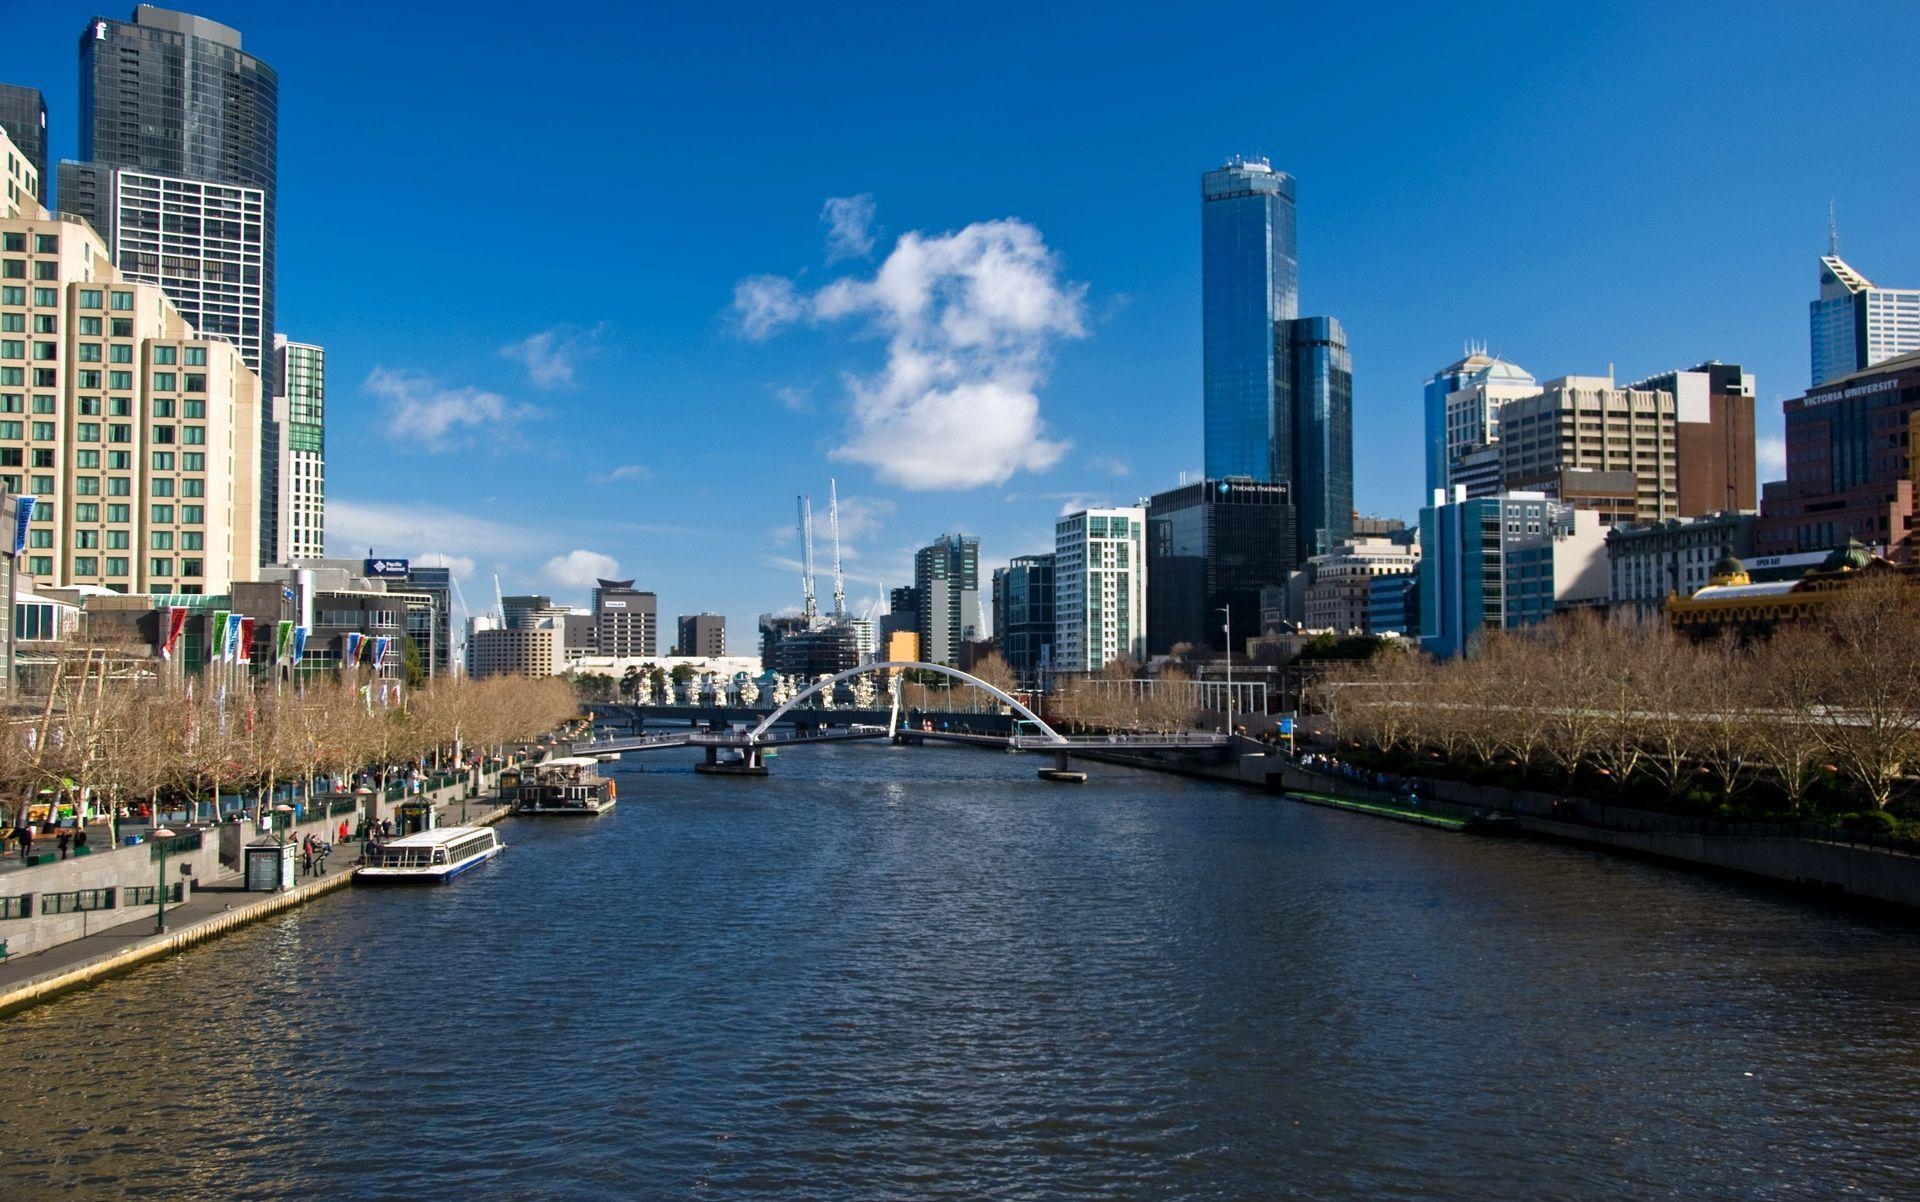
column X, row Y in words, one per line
column 1054, row 736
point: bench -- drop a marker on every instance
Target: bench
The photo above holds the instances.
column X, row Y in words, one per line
column 37, row 858
column 3, row 951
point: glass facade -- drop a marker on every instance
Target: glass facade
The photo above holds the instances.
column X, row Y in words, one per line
column 1023, row 616
column 23, row 114
column 1322, row 402
column 1211, row 545
column 1854, row 325
column 1249, row 286
column 175, row 95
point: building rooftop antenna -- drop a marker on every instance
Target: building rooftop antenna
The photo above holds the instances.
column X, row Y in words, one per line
column 1833, row 232
column 833, row 524
column 811, row 610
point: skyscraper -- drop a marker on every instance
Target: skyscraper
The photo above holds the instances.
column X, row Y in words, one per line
column 1215, row 544
column 1463, row 409
column 1023, row 616
column 1278, row 388
column 1099, row 588
column 300, row 412
column 946, row 584
column 23, row 114
column 1855, row 325
column 174, row 98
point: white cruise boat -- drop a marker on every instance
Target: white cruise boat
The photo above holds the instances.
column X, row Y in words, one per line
column 430, row 857
column 568, row 785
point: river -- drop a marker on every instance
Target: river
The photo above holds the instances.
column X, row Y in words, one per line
column 906, row 973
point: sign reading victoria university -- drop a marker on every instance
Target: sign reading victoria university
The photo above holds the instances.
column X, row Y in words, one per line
column 388, row 569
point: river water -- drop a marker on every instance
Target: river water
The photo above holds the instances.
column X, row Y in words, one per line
column 904, row 973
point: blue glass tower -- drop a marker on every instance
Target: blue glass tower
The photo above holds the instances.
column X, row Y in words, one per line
column 1319, row 380
column 1250, row 284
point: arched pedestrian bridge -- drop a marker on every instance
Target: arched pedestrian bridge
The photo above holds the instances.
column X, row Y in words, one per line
column 742, row 752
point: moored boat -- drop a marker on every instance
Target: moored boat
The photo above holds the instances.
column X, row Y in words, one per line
column 569, row 785
column 430, row 857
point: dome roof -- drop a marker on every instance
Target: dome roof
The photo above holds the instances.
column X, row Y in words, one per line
column 1850, row 558
column 1729, row 565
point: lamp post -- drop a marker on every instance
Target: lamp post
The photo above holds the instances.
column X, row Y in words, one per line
column 160, row 838
column 1228, row 628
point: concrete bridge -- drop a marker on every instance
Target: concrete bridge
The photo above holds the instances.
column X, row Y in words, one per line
column 742, row 752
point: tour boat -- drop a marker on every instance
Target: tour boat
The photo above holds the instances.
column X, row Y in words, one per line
column 570, row 785
column 430, row 857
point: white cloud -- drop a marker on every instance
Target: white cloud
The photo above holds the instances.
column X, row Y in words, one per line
column 419, row 531
column 580, row 569
column 1770, row 455
column 863, row 517
column 626, row 471
column 436, row 416
column 764, row 303
column 462, row 566
column 969, row 317
column 1112, row 465
column 551, row 356
column 794, row 400
column 849, row 222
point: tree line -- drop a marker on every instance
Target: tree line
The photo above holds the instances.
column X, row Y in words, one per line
column 1625, row 705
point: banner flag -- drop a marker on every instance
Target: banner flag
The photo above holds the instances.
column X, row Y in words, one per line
column 216, row 635
column 230, row 649
column 22, row 514
column 176, row 622
column 299, row 643
column 352, row 655
column 244, row 652
column 380, row 650
column 282, row 636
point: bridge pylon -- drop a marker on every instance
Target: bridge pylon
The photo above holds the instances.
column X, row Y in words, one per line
column 750, row 763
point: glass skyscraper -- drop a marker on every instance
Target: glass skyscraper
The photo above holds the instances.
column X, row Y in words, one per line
column 1215, row 544
column 1278, row 387
column 1855, row 325
column 173, row 95
column 1250, row 284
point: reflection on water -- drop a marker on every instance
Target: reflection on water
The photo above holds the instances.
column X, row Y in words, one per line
column 909, row 973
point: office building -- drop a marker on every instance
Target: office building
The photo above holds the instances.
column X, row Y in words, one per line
column 433, row 632
column 23, row 120
column 1713, row 436
column 1023, row 616
column 579, row 634
column 139, row 437
column 1462, row 406
column 1340, row 589
column 1278, row 389
column 1855, row 325
column 1099, row 588
column 1501, row 562
column 299, row 414
column 1849, row 475
column 1213, row 545
column 1393, row 605
column 946, row 584
column 494, row 650
column 626, row 620
column 702, row 634
column 177, row 101
column 19, row 186
column 1585, row 422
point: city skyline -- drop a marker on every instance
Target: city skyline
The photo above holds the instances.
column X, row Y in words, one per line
column 556, row 433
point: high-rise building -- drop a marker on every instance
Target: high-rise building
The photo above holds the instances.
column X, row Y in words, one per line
column 702, row 634
column 177, row 101
column 1848, row 473
column 1855, row 325
column 1340, row 589
column 1713, row 436
column 946, row 582
column 1585, row 422
column 139, row 438
column 432, row 629
column 300, row 416
column 1213, row 545
column 1278, row 388
column 626, row 620
column 1495, row 563
column 1023, row 616
column 20, row 184
column 1462, row 406
column 1099, row 588
column 23, row 118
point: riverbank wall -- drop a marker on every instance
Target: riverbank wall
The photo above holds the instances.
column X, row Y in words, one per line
column 109, row 948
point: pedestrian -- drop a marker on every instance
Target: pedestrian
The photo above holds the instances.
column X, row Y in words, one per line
column 343, row 830
column 62, row 841
column 386, row 828
column 79, row 840
column 306, row 855
column 26, row 840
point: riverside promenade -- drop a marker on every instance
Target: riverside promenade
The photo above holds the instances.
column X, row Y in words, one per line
column 210, row 911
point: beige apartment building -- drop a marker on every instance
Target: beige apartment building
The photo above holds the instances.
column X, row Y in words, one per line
column 1340, row 593
column 139, row 439
column 1585, row 423
column 20, row 185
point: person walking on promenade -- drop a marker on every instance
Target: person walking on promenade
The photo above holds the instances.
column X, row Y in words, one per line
column 343, row 830
column 62, row 841
column 306, row 855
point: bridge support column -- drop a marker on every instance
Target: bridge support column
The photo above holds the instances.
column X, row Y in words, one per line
column 750, row 763
column 1060, row 773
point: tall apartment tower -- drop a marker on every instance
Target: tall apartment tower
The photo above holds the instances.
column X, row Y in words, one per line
column 1278, row 389
column 138, row 438
column 946, row 582
column 1099, row 588
column 23, row 115
column 1855, row 325
column 179, row 132
column 300, row 413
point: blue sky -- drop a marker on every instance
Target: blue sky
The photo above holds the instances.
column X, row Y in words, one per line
column 521, row 241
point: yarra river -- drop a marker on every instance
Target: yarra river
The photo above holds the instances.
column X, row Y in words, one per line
column 906, row 973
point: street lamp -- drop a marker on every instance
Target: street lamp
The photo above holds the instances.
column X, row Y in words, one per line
column 1228, row 628
column 160, row 839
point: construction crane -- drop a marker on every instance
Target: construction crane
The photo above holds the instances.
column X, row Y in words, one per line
column 811, row 609
column 833, row 523
column 457, row 649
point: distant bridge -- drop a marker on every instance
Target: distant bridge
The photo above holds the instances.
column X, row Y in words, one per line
column 746, row 749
